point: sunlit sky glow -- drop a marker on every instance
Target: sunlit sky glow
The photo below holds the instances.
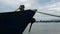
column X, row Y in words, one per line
column 48, row 6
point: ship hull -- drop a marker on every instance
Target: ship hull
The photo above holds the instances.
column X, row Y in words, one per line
column 15, row 22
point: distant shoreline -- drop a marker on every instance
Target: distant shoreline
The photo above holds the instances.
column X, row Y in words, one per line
column 49, row 21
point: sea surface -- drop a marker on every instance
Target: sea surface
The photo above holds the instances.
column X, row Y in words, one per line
column 44, row 28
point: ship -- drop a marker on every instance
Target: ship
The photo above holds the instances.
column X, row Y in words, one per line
column 15, row 22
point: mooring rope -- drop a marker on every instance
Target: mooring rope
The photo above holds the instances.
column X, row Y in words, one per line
column 47, row 14
column 44, row 13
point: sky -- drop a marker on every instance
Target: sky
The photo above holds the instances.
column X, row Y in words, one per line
column 47, row 6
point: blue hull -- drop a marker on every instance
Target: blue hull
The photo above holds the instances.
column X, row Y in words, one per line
column 15, row 22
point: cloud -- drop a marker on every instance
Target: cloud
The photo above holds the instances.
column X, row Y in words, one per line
column 55, row 6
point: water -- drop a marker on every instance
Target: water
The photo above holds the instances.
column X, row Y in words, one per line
column 44, row 28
